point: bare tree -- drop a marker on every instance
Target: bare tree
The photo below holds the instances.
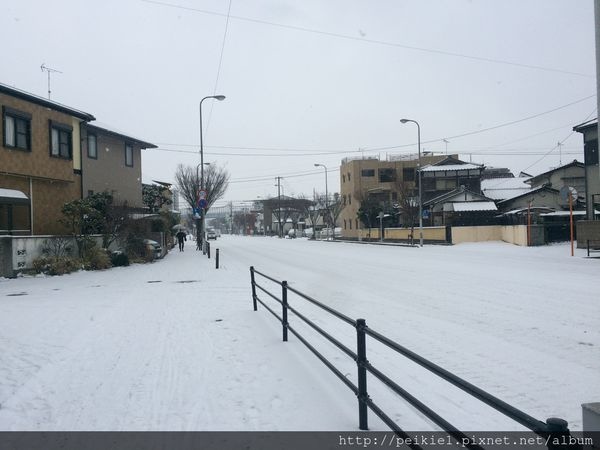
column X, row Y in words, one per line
column 408, row 206
column 335, row 209
column 216, row 181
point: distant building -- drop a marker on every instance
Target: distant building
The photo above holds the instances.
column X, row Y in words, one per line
column 496, row 172
column 382, row 181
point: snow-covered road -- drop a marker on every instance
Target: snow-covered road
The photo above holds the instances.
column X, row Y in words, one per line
column 175, row 345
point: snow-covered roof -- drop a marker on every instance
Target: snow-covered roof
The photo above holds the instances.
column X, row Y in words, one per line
column 564, row 213
column 15, row 92
column 112, row 130
column 474, row 206
column 451, row 167
column 504, row 188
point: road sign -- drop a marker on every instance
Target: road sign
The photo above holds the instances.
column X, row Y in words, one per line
column 202, row 195
column 567, row 191
column 202, row 203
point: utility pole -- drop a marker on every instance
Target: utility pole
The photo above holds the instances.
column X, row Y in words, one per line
column 49, row 70
column 279, row 230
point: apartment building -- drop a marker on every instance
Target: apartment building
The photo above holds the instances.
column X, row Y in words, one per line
column 371, row 178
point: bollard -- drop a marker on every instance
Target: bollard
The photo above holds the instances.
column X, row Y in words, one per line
column 217, row 259
column 208, row 249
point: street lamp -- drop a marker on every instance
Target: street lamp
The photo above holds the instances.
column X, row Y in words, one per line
column 326, row 196
column 418, row 179
column 220, row 98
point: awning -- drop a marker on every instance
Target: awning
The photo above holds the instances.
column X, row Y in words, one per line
column 474, row 206
column 12, row 196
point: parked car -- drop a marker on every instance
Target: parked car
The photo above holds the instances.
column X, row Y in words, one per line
column 211, row 234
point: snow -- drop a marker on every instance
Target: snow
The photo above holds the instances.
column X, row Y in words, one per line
column 175, row 345
column 474, row 206
column 505, row 188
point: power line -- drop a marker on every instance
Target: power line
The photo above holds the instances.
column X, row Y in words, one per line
column 559, row 143
column 374, row 41
column 212, row 105
column 374, row 149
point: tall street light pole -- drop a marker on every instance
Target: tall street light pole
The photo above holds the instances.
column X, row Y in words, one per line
column 220, row 98
column 418, row 178
column 326, row 197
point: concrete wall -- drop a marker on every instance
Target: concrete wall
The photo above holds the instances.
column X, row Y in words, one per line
column 587, row 230
column 513, row 234
column 429, row 233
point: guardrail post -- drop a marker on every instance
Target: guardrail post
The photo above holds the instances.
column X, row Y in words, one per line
column 217, row 259
column 254, row 303
column 560, row 436
column 284, row 305
column 361, row 361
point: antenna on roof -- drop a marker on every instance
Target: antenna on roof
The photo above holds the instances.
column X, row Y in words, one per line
column 446, row 142
column 559, row 153
column 49, row 70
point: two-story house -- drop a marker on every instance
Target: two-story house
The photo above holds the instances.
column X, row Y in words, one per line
column 112, row 162
column 50, row 155
column 40, row 161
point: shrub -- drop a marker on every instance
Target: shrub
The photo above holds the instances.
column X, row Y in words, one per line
column 119, row 259
column 56, row 265
column 96, row 259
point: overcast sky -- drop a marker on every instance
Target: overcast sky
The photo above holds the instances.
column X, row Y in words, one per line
column 315, row 81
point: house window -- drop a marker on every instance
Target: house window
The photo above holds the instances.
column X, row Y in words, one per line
column 387, row 175
column 17, row 129
column 367, row 172
column 350, row 223
column 128, row 155
column 349, row 199
column 408, row 174
column 343, row 178
column 92, row 146
column 61, row 140
column 344, row 224
column 348, row 176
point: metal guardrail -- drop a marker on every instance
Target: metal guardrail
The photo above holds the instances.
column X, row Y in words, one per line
column 553, row 430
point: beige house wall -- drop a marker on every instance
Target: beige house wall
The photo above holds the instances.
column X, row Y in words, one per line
column 49, row 182
column 108, row 172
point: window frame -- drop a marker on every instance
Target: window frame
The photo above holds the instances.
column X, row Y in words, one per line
column 128, row 146
column 17, row 117
column 89, row 154
column 62, row 130
column 367, row 173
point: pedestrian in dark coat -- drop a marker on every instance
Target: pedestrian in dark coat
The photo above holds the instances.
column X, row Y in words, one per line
column 180, row 239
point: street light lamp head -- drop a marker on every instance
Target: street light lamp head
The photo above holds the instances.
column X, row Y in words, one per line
column 404, row 120
column 219, row 97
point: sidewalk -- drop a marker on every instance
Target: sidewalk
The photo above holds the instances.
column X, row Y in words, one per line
column 172, row 345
